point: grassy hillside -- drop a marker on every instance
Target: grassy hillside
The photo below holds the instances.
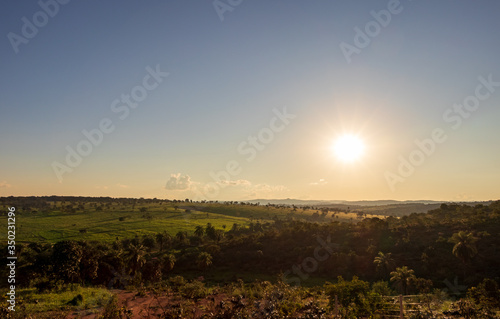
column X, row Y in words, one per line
column 273, row 255
column 272, row 212
column 107, row 225
column 106, row 219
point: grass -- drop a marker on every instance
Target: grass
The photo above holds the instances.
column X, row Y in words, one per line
column 107, row 225
column 268, row 213
column 95, row 221
column 31, row 302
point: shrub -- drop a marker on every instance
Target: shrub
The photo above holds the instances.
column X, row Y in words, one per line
column 194, row 290
column 111, row 311
column 352, row 296
column 77, row 301
column 486, row 296
column 176, row 283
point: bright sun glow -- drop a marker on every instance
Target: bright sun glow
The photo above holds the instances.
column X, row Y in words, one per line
column 348, row 148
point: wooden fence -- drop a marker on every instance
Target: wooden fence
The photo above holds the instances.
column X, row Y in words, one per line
column 396, row 306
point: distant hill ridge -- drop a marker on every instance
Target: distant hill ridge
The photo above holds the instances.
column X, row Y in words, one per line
column 291, row 201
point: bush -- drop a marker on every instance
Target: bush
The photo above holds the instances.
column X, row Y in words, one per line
column 354, row 296
column 111, row 311
column 176, row 283
column 486, row 296
column 382, row 288
column 77, row 301
column 194, row 290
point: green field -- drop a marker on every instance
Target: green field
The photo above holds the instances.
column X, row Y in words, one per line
column 117, row 219
column 109, row 224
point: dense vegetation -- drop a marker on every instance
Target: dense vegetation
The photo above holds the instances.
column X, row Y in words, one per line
column 52, row 219
column 270, row 255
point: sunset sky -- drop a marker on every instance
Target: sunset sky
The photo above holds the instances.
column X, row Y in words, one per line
column 168, row 98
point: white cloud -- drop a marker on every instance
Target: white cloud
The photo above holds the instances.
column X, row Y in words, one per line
column 4, row 185
column 223, row 189
column 320, row 182
column 122, row 185
column 178, row 182
column 266, row 191
column 462, row 197
column 269, row 188
column 235, row 183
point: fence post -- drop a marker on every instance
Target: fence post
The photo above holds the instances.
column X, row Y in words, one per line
column 401, row 309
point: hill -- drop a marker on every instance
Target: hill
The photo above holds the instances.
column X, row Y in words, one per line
column 56, row 218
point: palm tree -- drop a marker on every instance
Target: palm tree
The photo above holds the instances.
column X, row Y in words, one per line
column 210, row 231
column 204, row 260
column 168, row 262
column 136, row 260
column 219, row 234
column 163, row 239
column 403, row 276
column 181, row 236
column 160, row 239
column 465, row 247
column 199, row 231
column 384, row 262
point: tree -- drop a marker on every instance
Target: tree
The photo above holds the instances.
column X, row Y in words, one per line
column 219, row 234
column 403, row 277
column 152, row 271
column 204, row 260
column 163, row 239
column 136, row 257
column 465, row 247
column 349, row 293
column 67, row 255
column 384, row 262
column 168, row 263
column 236, row 227
column 149, row 242
column 199, row 231
column 89, row 264
column 181, row 236
column 210, row 231
column 486, row 295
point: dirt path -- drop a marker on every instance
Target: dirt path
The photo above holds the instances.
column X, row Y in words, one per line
column 148, row 305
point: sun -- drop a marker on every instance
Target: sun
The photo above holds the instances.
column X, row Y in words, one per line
column 348, row 148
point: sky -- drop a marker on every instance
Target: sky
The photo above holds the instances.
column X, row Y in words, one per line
column 237, row 100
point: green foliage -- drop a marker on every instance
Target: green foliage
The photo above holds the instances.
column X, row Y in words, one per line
column 403, row 277
column 67, row 256
column 384, row 262
column 112, row 310
column 176, row 283
column 348, row 292
column 77, row 301
column 382, row 288
column 63, row 298
column 427, row 244
column 204, row 260
column 193, row 290
column 486, row 296
column 53, row 224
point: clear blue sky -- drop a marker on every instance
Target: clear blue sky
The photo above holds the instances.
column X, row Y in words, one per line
column 228, row 79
